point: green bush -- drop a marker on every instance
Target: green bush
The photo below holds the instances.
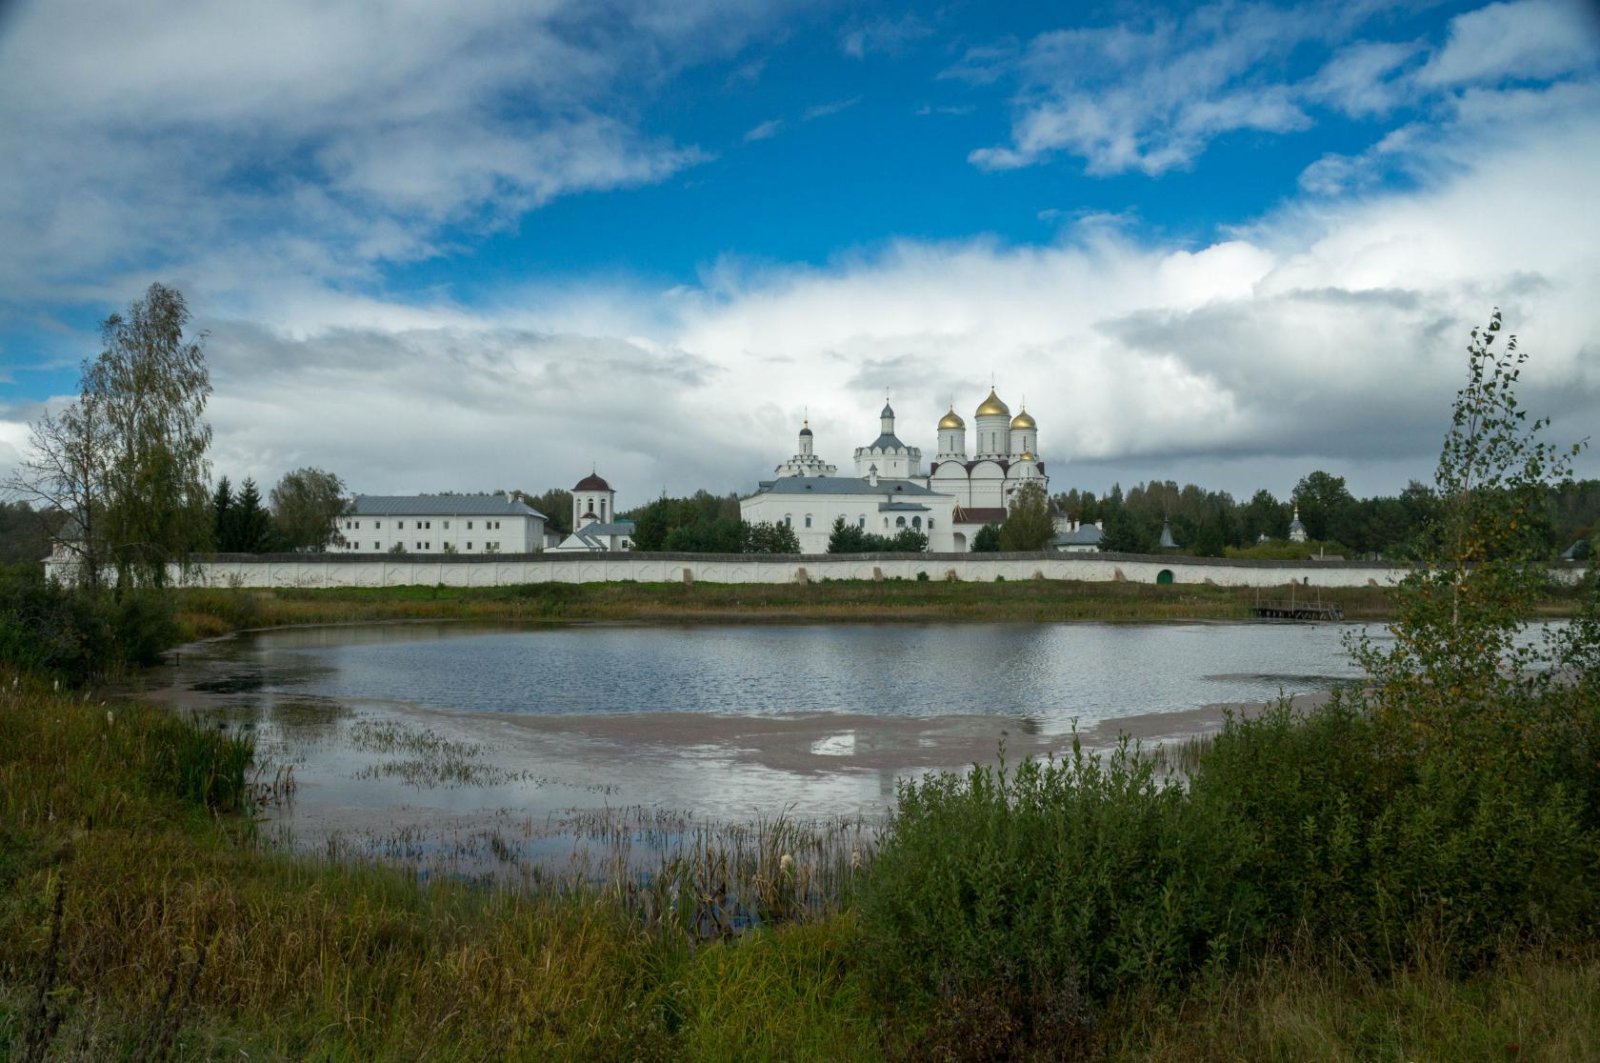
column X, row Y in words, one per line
column 1003, row 904
column 1031, row 892
column 43, row 629
column 72, row 635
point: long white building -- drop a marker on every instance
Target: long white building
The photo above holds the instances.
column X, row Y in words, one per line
column 440, row 524
column 949, row 503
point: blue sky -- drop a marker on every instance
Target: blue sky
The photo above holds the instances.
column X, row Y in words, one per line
column 483, row 245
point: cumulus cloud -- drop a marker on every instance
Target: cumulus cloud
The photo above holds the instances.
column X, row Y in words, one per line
column 1147, row 97
column 1150, row 95
column 347, row 135
column 1328, row 333
column 1523, row 39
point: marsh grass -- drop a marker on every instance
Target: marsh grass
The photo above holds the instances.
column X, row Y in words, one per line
column 207, row 613
column 180, row 935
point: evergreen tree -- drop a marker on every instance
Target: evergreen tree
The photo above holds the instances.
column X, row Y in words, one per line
column 1028, row 526
column 252, row 531
column 221, row 514
column 987, row 541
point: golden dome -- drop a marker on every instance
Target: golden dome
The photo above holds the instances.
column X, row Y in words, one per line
column 1022, row 420
column 993, row 407
column 1027, row 455
column 952, row 420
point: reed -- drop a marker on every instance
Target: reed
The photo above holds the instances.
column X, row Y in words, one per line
column 141, row 917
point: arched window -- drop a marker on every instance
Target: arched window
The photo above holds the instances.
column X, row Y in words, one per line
column 808, row 520
column 899, row 522
column 916, row 522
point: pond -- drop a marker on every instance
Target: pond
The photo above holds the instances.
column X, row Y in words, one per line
column 419, row 741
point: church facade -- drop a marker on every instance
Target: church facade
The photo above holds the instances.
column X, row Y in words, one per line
column 948, row 502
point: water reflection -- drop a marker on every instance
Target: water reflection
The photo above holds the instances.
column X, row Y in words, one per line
column 404, row 737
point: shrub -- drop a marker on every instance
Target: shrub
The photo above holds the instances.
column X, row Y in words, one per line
column 1000, row 900
column 1058, row 881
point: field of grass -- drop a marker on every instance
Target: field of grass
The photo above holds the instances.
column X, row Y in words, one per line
column 204, row 613
column 141, row 917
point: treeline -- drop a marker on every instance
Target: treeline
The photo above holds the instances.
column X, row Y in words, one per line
column 705, row 523
column 1213, row 524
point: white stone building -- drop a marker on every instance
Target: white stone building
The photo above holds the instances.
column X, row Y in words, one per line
column 440, row 524
column 949, row 503
column 594, row 519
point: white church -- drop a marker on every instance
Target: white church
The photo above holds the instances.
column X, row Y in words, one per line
column 957, row 495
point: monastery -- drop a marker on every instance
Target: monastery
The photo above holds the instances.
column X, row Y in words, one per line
column 957, row 495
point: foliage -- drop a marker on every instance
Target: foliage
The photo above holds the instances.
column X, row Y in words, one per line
column 764, row 538
column 241, row 525
column 150, row 387
column 852, row 539
column 1047, row 892
column 1460, row 666
column 306, row 505
column 987, row 540
column 707, row 524
column 1028, row 526
column 556, row 505
column 76, row 636
column 1326, row 505
column 25, row 533
column 127, row 459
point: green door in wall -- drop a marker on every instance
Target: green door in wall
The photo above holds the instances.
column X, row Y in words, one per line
column 1164, row 577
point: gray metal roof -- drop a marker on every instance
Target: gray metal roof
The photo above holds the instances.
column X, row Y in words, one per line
column 1086, row 535
column 840, row 485
column 886, row 441
column 616, row 527
column 440, row 506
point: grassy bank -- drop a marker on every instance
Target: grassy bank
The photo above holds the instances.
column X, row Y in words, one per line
column 211, row 612
column 140, row 918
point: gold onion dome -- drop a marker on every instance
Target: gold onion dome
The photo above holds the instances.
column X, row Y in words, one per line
column 951, row 420
column 993, row 407
column 1022, row 420
column 1027, row 455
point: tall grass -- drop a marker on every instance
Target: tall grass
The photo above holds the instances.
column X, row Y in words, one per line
column 1305, row 891
column 206, row 613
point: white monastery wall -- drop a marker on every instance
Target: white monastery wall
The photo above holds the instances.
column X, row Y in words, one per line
column 336, row 570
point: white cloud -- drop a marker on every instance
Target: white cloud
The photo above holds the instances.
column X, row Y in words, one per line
column 1523, row 39
column 823, row 110
column 347, row 135
column 764, row 131
column 883, row 35
column 1148, row 97
column 1361, row 79
column 1329, row 334
column 1151, row 95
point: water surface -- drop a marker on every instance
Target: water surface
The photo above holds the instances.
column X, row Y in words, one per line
column 413, row 740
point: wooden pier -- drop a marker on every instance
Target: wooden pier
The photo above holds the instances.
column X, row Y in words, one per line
column 1293, row 608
